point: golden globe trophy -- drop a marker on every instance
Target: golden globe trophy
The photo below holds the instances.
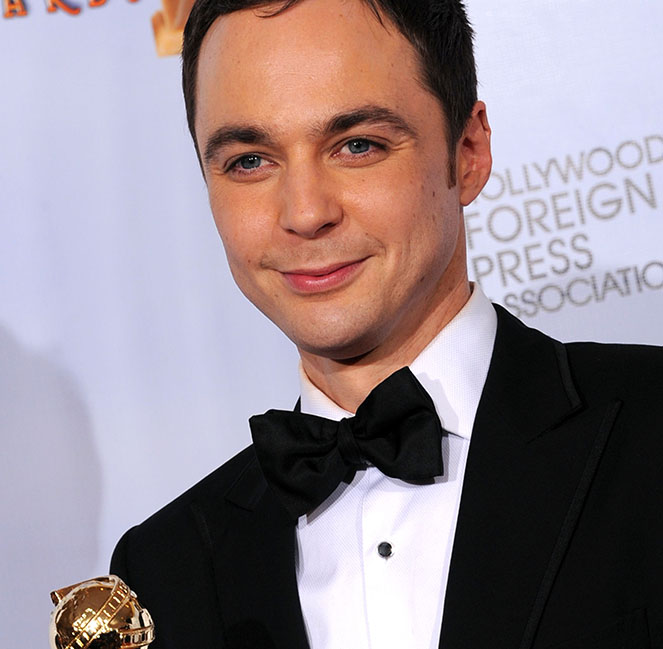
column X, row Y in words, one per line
column 101, row 613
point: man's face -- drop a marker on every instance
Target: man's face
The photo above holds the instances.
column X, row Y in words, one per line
column 327, row 170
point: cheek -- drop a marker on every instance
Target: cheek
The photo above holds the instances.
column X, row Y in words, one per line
column 239, row 253
column 416, row 218
column 431, row 233
column 239, row 232
column 384, row 205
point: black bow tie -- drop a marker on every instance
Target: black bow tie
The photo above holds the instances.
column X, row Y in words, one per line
column 305, row 457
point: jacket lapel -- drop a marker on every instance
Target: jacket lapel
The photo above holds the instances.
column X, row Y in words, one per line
column 253, row 554
column 534, row 450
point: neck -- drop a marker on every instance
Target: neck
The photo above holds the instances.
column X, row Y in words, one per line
column 348, row 382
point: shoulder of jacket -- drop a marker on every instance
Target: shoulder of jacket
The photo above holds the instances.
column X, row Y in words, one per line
column 215, row 485
column 625, row 371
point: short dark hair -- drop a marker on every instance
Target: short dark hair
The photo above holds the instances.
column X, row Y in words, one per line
column 438, row 30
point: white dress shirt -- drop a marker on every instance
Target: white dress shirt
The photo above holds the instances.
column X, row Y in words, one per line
column 351, row 596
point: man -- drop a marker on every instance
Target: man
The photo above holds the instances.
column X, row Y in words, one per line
column 519, row 504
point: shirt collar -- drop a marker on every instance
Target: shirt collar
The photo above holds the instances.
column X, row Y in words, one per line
column 452, row 368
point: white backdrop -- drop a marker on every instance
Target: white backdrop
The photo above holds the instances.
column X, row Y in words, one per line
column 129, row 363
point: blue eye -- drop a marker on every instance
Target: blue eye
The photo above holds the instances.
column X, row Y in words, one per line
column 249, row 161
column 359, row 146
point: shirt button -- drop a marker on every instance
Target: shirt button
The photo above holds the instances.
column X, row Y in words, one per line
column 385, row 550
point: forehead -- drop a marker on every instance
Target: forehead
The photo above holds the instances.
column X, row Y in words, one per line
column 316, row 58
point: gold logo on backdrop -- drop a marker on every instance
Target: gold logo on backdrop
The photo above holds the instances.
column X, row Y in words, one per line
column 18, row 8
column 168, row 25
column 13, row 8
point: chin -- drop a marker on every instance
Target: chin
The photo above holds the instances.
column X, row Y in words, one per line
column 340, row 331
column 337, row 345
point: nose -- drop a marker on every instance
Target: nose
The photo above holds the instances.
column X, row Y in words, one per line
column 309, row 202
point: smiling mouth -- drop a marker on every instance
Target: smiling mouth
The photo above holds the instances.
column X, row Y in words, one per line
column 318, row 280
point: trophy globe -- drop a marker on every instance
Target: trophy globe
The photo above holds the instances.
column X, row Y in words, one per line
column 101, row 613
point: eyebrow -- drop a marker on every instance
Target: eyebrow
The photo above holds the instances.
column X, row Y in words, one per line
column 233, row 134
column 369, row 114
column 249, row 134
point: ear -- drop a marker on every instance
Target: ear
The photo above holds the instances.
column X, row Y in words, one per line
column 473, row 158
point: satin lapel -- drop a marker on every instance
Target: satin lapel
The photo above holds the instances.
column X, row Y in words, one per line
column 534, row 450
column 253, row 552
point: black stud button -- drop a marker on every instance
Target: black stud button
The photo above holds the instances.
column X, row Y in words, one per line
column 385, row 550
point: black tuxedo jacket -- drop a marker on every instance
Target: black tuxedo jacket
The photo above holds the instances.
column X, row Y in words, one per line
column 559, row 541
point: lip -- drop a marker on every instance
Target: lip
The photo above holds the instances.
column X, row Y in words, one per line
column 318, row 280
